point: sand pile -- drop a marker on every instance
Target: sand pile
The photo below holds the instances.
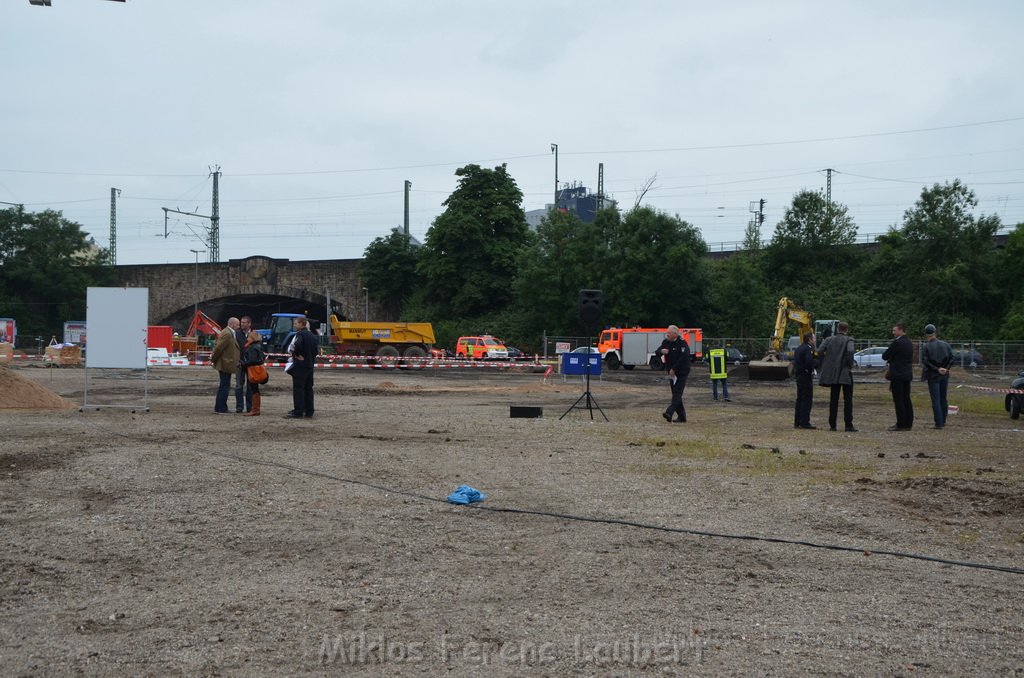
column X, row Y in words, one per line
column 19, row 393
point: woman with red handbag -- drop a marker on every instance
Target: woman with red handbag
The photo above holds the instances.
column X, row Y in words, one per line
column 252, row 360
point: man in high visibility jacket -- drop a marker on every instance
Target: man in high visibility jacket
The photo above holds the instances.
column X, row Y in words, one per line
column 716, row 363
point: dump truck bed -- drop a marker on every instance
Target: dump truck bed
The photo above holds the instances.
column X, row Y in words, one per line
column 382, row 333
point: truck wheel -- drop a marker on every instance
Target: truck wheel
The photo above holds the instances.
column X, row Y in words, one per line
column 387, row 352
column 414, row 352
column 612, row 361
column 656, row 363
column 1015, row 406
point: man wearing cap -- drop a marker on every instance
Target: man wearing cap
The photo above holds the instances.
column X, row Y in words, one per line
column 936, row 358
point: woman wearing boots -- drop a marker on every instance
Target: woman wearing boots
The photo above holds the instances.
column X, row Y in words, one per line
column 253, row 355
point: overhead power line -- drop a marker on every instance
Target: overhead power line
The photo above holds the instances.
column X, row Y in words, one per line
column 810, row 140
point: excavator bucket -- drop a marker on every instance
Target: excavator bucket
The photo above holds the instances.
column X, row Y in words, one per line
column 770, row 370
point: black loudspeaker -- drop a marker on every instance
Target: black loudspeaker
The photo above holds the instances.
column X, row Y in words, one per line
column 591, row 308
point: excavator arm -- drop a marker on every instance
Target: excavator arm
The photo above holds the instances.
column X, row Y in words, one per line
column 786, row 312
column 774, row 366
column 203, row 323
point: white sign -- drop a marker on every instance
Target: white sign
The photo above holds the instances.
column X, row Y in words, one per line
column 74, row 332
column 562, row 347
column 118, row 323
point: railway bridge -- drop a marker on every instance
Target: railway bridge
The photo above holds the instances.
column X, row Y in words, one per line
column 255, row 286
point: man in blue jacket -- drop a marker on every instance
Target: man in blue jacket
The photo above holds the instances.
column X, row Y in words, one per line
column 803, row 372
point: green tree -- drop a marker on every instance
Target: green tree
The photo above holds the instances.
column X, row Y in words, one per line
column 814, row 236
column 552, row 270
column 46, row 265
column 471, row 250
column 947, row 254
column 655, row 270
column 740, row 300
column 1008, row 281
column 389, row 271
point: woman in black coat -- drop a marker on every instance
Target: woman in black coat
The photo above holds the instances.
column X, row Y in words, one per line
column 253, row 355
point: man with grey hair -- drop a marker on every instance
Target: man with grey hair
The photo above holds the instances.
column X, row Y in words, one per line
column 225, row 360
column 675, row 354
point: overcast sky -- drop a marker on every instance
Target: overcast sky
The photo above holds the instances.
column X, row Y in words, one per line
column 317, row 111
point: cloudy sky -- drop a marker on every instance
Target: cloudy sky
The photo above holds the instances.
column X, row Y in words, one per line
column 317, row 111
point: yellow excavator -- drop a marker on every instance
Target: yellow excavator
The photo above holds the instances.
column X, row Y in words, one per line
column 776, row 366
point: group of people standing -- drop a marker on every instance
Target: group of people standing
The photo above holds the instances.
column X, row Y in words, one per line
column 238, row 347
column 834, row 362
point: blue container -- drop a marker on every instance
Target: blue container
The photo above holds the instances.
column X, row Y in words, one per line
column 576, row 363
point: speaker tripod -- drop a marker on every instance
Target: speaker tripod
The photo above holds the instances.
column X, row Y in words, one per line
column 591, row 401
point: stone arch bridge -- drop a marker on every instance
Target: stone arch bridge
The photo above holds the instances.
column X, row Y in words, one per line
column 255, row 286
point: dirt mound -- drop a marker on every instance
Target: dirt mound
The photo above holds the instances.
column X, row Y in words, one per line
column 20, row 393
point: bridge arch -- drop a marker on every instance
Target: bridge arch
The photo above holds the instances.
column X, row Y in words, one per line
column 256, row 286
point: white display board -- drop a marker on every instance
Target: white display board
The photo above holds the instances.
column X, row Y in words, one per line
column 118, row 320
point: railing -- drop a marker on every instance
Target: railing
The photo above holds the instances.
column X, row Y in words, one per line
column 985, row 357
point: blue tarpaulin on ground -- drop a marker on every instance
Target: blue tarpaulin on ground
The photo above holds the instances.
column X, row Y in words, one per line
column 466, row 495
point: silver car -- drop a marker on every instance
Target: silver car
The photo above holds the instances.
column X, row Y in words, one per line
column 869, row 357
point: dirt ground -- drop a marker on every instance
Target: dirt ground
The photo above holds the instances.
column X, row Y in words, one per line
column 178, row 542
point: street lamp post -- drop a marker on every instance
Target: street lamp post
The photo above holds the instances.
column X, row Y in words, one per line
column 366, row 305
column 195, row 283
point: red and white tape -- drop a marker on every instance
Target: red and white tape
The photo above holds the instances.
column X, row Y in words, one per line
column 992, row 390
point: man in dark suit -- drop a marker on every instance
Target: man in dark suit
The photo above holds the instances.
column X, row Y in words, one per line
column 803, row 372
column 900, row 356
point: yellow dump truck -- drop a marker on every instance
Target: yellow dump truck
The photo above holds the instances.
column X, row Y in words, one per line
column 385, row 340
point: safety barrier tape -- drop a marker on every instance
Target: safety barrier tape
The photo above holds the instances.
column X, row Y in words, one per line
column 993, row 390
column 390, row 366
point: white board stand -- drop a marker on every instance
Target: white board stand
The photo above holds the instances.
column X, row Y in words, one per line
column 117, row 322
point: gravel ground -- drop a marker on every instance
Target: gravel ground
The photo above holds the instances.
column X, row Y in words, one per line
column 177, row 542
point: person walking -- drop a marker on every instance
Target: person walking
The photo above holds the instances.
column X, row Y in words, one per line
column 225, row 360
column 936, row 360
column 303, row 349
column 803, row 372
column 900, row 356
column 675, row 354
column 253, row 355
column 718, row 371
column 836, row 358
column 243, row 401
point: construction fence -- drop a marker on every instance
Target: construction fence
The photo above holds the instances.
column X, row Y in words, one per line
column 995, row 357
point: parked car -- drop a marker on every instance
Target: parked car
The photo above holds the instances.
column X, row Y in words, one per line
column 733, row 356
column 967, row 357
column 586, row 349
column 483, row 347
column 869, row 357
column 736, row 356
column 515, row 354
column 1015, row 401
